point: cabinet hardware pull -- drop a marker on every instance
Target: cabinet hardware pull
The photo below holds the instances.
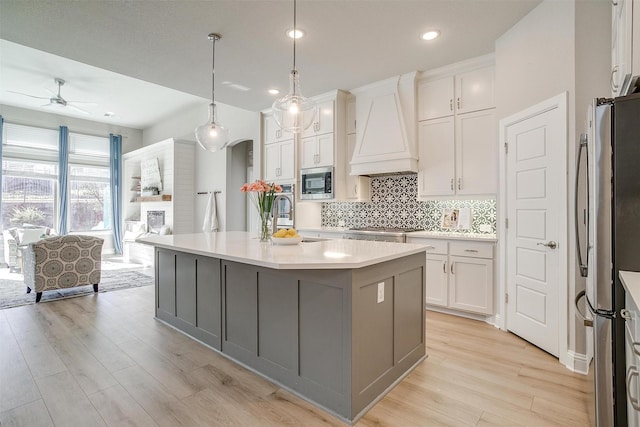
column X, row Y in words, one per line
column 470, row 250
column 614, row 86
column 459, row 103
column 452, row 268
column 451, row 104
column 459, row 183
column 355, row 189
column 451, row 183
column 613, row 2
column 635, row 347
column 632, row 372
column 444, row 267
column 625, row 314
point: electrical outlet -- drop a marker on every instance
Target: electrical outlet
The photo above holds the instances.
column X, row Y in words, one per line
column 380, row 292
column 485, row 228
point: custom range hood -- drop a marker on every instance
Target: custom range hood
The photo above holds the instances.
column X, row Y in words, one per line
column 386, row 127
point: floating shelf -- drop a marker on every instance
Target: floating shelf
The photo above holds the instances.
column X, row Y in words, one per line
column 160, row 198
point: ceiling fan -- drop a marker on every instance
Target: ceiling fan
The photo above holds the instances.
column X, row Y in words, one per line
column 56, row 100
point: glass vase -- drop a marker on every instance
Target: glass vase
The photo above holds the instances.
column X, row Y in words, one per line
column 265, row 227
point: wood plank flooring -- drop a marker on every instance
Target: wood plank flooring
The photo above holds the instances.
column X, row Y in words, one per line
column 103, row 360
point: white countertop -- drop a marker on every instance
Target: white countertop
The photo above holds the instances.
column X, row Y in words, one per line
column 631, row 282
column 246, row 248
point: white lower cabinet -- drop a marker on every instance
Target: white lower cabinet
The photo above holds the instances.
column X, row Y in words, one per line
column 632, row 358
column 459, row 274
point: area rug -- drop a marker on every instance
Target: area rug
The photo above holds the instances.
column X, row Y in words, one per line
column 14, row 292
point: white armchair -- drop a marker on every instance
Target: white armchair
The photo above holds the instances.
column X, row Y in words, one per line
column 17, row 238
column 10, row 248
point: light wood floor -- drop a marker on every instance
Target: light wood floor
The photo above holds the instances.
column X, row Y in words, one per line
column 103, row 360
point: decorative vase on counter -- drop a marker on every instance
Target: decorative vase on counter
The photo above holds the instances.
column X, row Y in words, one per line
column 265, row 226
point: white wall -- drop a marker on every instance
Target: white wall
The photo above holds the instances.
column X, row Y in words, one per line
column 559, row 46
column 210, row 168
column 131, row 138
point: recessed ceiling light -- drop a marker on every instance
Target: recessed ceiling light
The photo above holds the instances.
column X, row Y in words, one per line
column 274, row 91
column 109, row 114
column 430, row 35
column 298, row 33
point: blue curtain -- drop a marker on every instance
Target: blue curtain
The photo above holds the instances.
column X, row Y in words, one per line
column 1, row 141
column 115, row 166
column 63, row 179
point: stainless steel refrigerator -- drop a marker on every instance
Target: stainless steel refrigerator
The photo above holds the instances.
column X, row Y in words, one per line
column 611, row 179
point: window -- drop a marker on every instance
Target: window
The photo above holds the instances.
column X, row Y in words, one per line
column 89, row 190
column 29, row 193
column 89, row 198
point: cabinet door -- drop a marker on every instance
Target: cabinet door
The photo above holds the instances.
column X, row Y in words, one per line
column 437, row 157
column 633, row 379
column 435, row 98
column 476, row 153
column 357, row 187
column 287, row 160
column 323, row 122
column 474, row 90
column 351, row 119
column 271, row 162
column 621, row 46
column 471, row 284
column 324, row 146
column 308, row 152
column 436, row 280
column 272, row 132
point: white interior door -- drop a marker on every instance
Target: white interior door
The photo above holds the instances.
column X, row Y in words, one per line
column 536, row 236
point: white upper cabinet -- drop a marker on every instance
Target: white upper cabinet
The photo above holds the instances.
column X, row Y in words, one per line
column 622, row 46
column 323, row 122
column 436, row 144
column 474, row 90
column 316, row 151
column 356, row 187
column 272, row 132
column 462, row 93
column 351, row 116
column 476, row 153
column 279, row 161
column 436, row 98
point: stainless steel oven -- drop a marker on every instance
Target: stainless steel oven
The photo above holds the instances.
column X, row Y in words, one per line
column 316, row 183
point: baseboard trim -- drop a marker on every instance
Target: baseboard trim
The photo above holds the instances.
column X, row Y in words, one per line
column 578, row 362
column 474, row 316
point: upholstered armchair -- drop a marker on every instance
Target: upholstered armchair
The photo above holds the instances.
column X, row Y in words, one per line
column 63, row 262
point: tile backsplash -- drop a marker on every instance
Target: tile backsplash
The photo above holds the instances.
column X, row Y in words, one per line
column 393, row 204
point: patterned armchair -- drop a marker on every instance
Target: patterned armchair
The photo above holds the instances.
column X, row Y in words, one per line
column 63, row 262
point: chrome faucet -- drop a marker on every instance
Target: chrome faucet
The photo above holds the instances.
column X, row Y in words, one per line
column 275, row 211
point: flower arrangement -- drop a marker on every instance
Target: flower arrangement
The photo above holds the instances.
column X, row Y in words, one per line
column 262, row 196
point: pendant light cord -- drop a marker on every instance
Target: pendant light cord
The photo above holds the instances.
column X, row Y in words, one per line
column 294, row 35
column 213, row 67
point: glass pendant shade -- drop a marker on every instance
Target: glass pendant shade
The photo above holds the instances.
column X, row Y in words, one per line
column 212, row 136
column 294, row 113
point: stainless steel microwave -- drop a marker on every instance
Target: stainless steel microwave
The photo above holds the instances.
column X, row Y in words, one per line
column 316, row 183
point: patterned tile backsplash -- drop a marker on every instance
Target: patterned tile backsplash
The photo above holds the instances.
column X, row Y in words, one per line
column 393, row 204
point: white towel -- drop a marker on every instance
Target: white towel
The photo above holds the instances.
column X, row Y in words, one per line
column 211, row 215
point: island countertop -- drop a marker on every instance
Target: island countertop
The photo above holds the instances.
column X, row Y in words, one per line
column 246, row 248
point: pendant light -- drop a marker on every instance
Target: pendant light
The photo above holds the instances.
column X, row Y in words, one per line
column 293, row 112
column 212, row 136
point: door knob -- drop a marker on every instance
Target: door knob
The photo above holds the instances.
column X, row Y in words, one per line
column 550, row 244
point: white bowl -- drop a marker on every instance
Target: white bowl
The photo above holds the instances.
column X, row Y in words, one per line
column 286, row 240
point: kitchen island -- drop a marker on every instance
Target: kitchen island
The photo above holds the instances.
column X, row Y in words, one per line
column 338, row 322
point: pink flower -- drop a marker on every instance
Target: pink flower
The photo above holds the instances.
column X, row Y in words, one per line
column 262, row 194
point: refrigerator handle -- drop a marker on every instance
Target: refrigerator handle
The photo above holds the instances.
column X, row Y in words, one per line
column 584, row 267
column 586, row 322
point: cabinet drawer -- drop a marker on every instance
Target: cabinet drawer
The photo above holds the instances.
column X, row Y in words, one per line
column 471, row 249
column 433, row 246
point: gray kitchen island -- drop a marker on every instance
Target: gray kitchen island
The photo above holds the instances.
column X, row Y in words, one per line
column 338, row 322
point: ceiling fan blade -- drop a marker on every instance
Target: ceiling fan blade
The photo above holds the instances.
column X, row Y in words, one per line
column 31, row 96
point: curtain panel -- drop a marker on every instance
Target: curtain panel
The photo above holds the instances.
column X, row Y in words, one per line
column 115, row 167
column 63, row 180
